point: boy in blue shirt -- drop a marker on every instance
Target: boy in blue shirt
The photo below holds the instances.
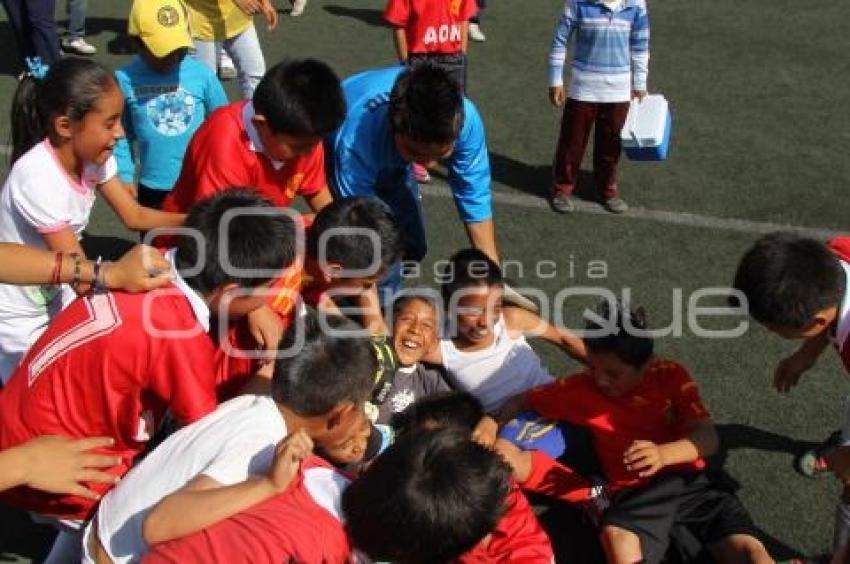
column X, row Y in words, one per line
column 167, row 96
column 397, row 117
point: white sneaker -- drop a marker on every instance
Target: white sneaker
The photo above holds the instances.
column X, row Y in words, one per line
column 77, row 46
column 475, row 33
column 298, row 8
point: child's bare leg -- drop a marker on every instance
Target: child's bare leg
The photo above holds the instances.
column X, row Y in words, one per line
column 743, row 549
column 519, row 460
column 620, row 546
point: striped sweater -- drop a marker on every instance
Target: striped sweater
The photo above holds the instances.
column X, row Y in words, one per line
column 611, row 56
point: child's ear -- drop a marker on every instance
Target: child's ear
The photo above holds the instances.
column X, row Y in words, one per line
column 62, row 126
column 341, row 414
column 260, row 122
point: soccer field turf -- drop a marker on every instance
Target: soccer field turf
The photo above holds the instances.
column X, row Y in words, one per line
column 759, row 135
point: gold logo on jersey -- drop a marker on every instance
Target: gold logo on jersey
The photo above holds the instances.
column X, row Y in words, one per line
column 454, row 8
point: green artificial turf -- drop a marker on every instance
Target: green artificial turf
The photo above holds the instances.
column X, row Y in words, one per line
column 760, row 131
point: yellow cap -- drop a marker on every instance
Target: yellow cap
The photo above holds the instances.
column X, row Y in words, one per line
column 163, row 25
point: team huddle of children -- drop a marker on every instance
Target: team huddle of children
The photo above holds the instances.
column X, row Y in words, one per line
column 240, row 394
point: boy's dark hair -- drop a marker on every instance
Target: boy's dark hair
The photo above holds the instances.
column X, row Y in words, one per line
column 71, row 86
column 470, row 267
column 254, row 242
column 404, row 297
column 788, row 279
column 430, row 497
column 458, row 410
column 426, row 105
column 331, row 366
column 356, row 250
column 617, row 336
column 300, row 97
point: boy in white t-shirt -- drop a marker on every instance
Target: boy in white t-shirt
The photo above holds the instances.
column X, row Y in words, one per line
column 231, row 460
column 484, row 349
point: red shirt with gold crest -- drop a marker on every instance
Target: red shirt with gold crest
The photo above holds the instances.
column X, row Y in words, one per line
column 226, row 152
column 660, row 410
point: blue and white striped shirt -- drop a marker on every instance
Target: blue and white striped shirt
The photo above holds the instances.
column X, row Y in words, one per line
column 611, row 56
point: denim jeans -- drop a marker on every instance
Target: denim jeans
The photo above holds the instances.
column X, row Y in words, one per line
column 34, row 29
column 76, row 10
column 247, row 57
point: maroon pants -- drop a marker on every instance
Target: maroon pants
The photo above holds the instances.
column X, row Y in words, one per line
column 576, row 122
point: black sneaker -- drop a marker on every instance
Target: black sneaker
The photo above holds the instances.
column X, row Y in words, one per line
column 562, row 202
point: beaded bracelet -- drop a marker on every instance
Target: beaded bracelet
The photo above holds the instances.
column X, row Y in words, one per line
column 78, row 260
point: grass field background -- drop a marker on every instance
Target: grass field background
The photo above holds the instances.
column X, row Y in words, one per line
column 760, row 134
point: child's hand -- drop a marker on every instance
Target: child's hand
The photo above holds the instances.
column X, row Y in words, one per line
column 143, row 268
column 289, row 455
column 789, row 370
column 557, row 96
column 58, row 465
column 270, row 13
column 485, row 432
column 267, row 330
column 644, row 457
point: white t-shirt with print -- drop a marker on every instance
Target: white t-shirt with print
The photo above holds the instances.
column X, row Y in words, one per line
column 39, row 197
column 229, row 445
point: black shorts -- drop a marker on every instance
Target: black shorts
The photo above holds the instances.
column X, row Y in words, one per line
column 691, row 501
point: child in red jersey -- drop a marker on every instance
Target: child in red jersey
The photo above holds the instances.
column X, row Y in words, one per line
column 271, row 143
column 112, row 364
column 431, row 32
column 651, row 433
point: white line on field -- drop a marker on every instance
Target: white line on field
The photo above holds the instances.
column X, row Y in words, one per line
column 659, row 216
column 687, row 219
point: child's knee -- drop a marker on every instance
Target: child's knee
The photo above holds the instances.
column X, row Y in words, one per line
column 742, row 548
column 613, row 536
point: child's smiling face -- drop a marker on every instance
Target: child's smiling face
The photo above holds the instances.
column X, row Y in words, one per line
column 476, row 313
column 414, row 331
column 94, row 136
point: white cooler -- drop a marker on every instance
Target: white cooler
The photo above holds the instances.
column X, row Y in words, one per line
column 646, row 134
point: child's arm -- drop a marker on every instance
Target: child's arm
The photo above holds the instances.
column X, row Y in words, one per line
column 558, row 53
column 134, row 216
column 319, row 200
column 519, row 320
column 639, row 51
column 204, row 502
column 400, row 40
column 65, row 241
column 790, row 369
column 647, row 458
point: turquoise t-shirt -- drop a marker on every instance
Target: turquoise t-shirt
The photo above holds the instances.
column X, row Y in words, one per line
column 161, row 113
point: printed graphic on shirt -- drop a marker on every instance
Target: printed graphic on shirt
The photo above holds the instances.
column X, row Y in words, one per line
column 172, row 111
column 402, row 400
column 446, row 33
